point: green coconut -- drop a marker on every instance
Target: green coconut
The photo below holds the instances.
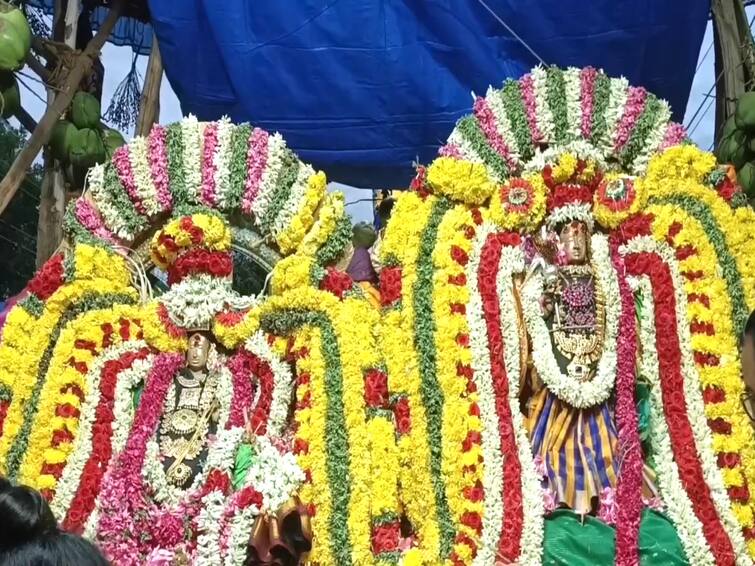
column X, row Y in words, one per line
column 86, row 148
column 746, row 178
column 10, row 97
column 745, row 112
column 729, row 126
column 61, row 139
column 15, row 37
column 85, row 111
column 734, row 149
column 112, row 140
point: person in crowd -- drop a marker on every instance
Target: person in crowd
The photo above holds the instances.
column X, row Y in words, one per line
column 29, row 533
column 360, row 267
column 748, row 366
column 384, row 210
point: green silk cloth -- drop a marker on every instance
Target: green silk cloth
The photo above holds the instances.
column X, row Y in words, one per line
column 570, row 541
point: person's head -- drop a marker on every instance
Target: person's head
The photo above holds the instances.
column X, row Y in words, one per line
column 384, row 210
column 363, row 235
column 199, row 349
column 30, row 534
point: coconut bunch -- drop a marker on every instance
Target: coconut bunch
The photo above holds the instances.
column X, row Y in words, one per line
column 737, row 145
column 15, row 42
column 81, row 139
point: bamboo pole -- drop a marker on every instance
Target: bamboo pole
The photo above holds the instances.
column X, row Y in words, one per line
column 149, row 105
column 41, row 135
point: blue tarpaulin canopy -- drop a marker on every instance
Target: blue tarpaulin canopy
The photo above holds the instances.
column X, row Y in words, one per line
column 362, row 88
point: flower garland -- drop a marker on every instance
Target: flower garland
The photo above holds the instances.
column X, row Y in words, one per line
column 191, row 166
column 499, row 537
column 206, row 230
column 460, row 180
column 677, row 502
column 64, row 393
column 520, row 203
column 682, row 402
column 577, row 394
column 289, row 238
column 157, row 155
column 94, row 445
column 142, row 176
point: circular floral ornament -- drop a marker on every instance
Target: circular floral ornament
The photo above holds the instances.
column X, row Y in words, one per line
column 519, row 204
column 616, row 199
column 460, row 180
column 200, row 230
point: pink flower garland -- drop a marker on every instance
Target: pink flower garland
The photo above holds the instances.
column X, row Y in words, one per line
column 256, row 161
column 635, row 104
column 487, row 123
column 90, row 219
column 122, row 163
column 209, row 149
column 450, row 150
column 586, row 95
column 158, row 165
column 124, row 512
column 675, row 134
column 627, row 505
column 527, row 86
column 245, row 367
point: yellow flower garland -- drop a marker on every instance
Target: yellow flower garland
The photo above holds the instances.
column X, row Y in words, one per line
column 302, row 221
column 460, row 180
column 332, row 210
column 216, row 236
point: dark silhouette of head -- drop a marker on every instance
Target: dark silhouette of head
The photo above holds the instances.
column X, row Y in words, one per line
column 30, row 534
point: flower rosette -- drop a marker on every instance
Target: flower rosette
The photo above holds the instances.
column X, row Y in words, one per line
column 189, row 233
column 519, row 205
column 616, row 198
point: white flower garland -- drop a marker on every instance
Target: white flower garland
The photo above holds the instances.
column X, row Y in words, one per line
column 194, row 301
column 276, row 476
column 208, row 551
column 512, row 262
column 543, row 110
column 68, row 483
column 498, row 109
column 283, row 383
column 654, row 139
column 191, row 135
column 577, row 394
column 678, row 504
column 293, row 202
column 569, row 212
column 492, row 481
column 239, row 529
column 573, row 89
column 111, row 214
column 465, row 148
column 222, row 160
column 693, row 398
column 617, row 99
column 582, row 149
column 276, row 148
column 145, row 185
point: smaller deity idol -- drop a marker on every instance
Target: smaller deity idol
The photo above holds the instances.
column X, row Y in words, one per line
column 196, row 483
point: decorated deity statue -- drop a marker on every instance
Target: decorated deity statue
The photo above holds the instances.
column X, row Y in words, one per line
column 552, row 374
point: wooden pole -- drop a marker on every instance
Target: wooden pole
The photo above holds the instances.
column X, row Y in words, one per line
column 149, row 105
column 41, row 135
column 52, row 198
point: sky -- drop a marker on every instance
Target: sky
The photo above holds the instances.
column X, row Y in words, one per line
column 117, row 62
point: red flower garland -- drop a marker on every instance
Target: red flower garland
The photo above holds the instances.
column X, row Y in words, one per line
column 509, row 543
column 49, row 278
column 337, row 282
column 674, row 403
column 196, row 261
column 390, row 285
column 245, row 366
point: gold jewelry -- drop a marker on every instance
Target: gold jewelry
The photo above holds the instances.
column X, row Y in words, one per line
column 190, row 382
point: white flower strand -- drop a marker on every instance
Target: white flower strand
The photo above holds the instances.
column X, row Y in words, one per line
column 693, row 398
column 543, row 109
column 145, row 185
column 511, row 263
column 276, row 149
column 293, row 202
column 503, row 124
column 654, row 139
column 577, row 394
column 678, row 504
column 492, row 481
column 222, row 160
column 617, row 99
column 283, row 383
column 191, row 134
column 573, row 87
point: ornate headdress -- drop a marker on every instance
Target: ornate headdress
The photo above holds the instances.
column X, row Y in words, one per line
column 195, row 251
column 571, row 181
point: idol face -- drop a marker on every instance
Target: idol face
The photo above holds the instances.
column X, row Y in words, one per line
column 199, row 348
column 573, row 237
